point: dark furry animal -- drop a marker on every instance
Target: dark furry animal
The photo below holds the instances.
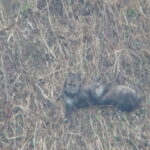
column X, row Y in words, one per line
column 120, row 96
column 74, row 94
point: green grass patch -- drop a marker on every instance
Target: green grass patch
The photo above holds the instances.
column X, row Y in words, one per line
column 69, row 2
column 131, row 13
column 1, row 72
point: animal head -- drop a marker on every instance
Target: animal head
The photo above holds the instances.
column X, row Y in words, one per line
column 97, row 88
column 72, row 84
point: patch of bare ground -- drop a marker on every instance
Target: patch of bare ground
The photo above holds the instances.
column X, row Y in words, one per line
column 41, row 41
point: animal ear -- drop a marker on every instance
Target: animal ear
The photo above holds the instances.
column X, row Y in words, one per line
column 70, row 74
column 98, row 79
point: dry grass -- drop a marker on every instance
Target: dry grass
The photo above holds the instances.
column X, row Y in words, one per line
column 41, row 41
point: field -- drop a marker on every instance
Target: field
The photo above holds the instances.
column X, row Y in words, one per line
column 41, row 41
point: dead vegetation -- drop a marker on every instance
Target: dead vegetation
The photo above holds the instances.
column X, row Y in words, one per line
column 41, row 41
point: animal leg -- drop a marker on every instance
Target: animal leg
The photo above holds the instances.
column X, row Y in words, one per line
column 68, row 111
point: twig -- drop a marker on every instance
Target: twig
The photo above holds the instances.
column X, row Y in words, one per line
column 42, row 91
column 5, row 79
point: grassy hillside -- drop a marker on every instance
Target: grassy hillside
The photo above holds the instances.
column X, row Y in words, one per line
column 41, row 41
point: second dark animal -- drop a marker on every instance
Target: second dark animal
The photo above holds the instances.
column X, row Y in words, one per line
column 120, row 96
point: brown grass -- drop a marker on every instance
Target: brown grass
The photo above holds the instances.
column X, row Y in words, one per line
column 41, row 41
